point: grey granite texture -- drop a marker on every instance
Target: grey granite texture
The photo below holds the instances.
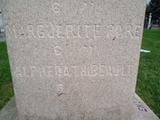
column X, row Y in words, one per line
column 9, row 112
column 141, row 111
column 74, row 59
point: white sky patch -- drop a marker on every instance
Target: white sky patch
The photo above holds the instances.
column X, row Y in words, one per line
column 147, row 1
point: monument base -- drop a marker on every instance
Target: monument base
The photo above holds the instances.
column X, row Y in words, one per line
column 142, row 111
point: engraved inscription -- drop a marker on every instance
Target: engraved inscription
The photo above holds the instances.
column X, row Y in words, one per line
column 61, row 71
column 56, row 8
column 92, row 31
column 60, row 89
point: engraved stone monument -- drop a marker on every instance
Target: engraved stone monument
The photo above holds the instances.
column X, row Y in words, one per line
column 74, row 59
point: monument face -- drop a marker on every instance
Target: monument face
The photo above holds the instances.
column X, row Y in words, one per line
column 74, row 59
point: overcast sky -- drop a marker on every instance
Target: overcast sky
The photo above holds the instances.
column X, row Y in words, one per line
column 148, row 1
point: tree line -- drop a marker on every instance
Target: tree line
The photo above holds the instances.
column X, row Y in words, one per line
column 154, row 8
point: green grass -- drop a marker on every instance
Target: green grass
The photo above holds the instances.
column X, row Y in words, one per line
column 6, row 90
column 148, row 84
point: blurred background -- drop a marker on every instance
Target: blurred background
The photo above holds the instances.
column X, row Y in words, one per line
column 152, row 17
column 148, row 80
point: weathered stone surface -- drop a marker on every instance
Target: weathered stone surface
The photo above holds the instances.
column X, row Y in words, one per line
column 9, row 112
column 74, row 59
column 141, row 111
